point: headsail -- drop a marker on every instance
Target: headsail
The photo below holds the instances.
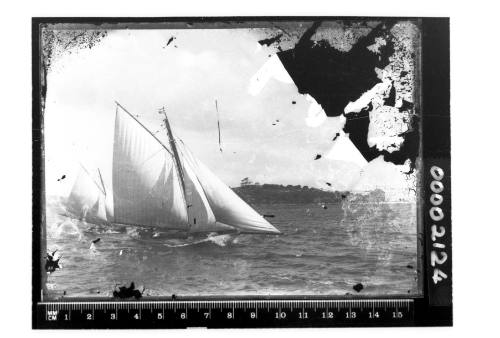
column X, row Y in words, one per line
column 167, row 187
column 201, row 216
column 99, row 209
column 146, row 187
column 87, row 200
column 227, row 207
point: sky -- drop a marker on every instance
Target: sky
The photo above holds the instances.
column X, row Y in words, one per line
column 265, row 135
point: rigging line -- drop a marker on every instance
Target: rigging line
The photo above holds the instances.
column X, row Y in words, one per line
column 185, row 149
column 150, row 133
column 90, row 176
column 225, row 142
column 180, row 183
column 218, row 124
column 177, row 161
column 191, row 159
column 102, row 182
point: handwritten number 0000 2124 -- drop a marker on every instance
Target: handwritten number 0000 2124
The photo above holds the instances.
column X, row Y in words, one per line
column 438, row 253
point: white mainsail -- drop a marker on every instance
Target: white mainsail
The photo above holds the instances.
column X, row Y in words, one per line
column 146, row 187
column 150, row 189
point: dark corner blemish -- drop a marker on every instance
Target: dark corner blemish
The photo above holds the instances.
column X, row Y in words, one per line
column 271, row 40
column 318, row 69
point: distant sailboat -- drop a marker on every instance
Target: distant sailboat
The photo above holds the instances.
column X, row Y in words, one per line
column 165, row 187
column 88, row 200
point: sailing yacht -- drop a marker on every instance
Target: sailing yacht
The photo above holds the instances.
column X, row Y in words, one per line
column 164, row 187
column 88, row 200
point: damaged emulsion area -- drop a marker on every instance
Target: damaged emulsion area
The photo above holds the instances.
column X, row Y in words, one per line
column 52, row 261
column 335, row 78
column 125, row 292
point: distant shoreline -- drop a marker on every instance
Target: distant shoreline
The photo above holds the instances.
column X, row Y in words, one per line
column 296, row 194
column 275, row 193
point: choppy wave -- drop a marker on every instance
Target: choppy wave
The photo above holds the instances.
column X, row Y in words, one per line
column 219, row 240
column 67, row 228
column 323, row 251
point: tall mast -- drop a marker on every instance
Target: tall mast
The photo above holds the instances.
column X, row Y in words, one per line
column 102, row 182
column 101, row 189
column 139, row 122
column 178, row 164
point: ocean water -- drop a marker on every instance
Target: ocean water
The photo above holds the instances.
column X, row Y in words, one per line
column 320, row 252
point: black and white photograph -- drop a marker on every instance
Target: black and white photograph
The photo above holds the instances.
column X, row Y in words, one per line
column 264, row 158
column 241, row 169
column 247, row 163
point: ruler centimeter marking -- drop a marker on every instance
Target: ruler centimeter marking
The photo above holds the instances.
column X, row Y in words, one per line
column 231, row 313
